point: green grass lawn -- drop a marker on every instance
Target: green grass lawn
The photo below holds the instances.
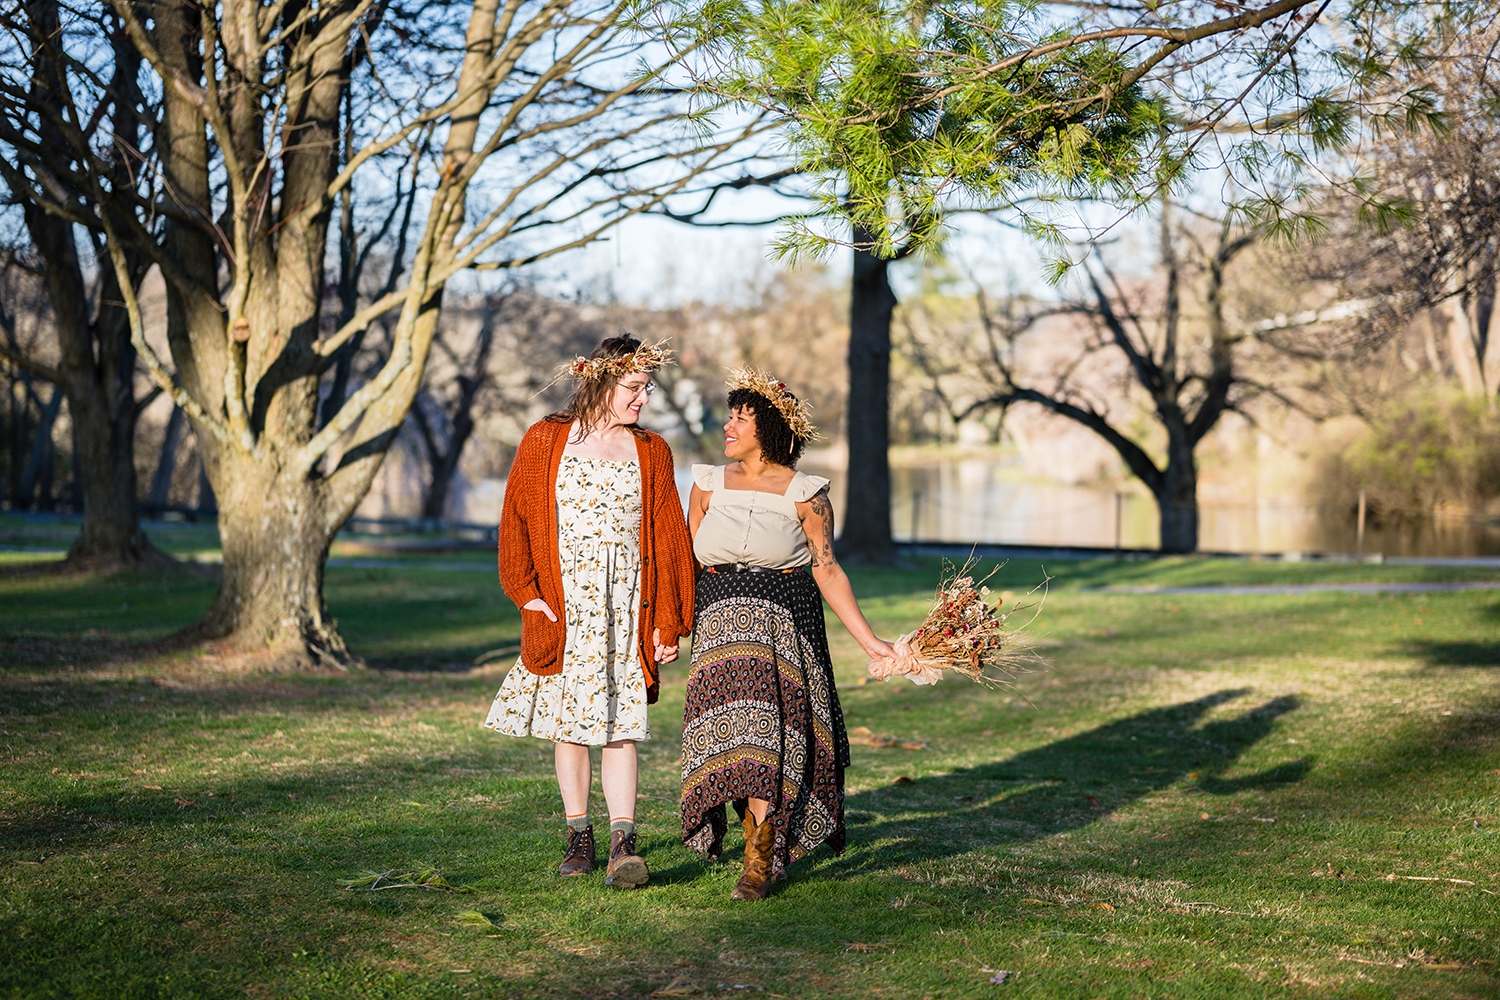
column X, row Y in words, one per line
column 1203, row 796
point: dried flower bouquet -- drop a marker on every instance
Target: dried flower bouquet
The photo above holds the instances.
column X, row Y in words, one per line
column 963, row 632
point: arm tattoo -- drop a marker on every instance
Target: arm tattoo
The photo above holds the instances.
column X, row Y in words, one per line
column 822, row 549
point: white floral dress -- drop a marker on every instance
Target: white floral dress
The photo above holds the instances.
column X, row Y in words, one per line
column 600, row 695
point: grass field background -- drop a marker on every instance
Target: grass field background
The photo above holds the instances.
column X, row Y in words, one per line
column 1202, row 796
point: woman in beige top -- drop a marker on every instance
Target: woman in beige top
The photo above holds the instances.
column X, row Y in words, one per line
column 762, row 727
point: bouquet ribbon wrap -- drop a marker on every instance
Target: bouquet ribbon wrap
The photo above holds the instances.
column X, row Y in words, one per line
column 905, row 663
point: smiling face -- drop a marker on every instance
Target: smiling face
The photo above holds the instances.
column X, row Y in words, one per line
column 630, row 395
column 740, row 438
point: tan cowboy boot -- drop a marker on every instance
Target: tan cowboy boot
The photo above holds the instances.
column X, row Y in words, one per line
column 627, row 869
column 755, row 881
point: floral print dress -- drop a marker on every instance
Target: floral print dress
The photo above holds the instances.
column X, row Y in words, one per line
column 600, row 694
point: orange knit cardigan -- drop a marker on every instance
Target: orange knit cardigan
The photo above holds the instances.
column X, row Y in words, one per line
column 531, row 567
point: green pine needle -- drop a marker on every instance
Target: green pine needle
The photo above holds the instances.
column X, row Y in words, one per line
column 475, row 919
column 419, row 876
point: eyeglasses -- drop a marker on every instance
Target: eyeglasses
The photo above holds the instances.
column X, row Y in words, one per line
column 635, row 390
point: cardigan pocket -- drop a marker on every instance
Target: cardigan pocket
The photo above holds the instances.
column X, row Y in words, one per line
column 541, row 642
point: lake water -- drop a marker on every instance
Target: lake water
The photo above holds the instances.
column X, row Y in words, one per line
column 985, row 500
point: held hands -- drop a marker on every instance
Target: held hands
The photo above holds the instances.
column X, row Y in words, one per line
column 663, row 654
column 538, row 604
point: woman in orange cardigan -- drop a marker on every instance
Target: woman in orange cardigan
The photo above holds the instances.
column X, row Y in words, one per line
column 594, row 550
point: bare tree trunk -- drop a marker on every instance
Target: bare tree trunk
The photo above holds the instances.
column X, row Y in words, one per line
column 275, row 534
column 443, row 456
column 1467, row 364
column 166, row 464
column 110, row 537
column 206, row 503
column 96, row 371
column 96, row 365
column 38, row 469
column 1177, row 499
column 866, row 537
column 435, row 503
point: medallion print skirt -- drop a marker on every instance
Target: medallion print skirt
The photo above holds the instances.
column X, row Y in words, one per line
column 762, row 718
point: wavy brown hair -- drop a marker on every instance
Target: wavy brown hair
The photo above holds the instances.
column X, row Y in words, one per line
column 589, row 404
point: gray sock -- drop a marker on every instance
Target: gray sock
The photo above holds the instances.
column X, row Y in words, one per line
column 623, row 826
column 579, row 823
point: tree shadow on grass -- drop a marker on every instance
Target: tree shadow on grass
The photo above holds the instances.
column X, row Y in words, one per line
column 263, row 830
column 1459, row 652
column 1482, row 653
column 1064, row 785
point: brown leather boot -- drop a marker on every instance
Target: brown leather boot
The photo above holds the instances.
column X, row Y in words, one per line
column 627, row 869
column 579, row 857
column 755, row 881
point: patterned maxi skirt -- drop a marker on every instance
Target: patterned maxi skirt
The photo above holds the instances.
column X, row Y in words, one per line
column 762, row 718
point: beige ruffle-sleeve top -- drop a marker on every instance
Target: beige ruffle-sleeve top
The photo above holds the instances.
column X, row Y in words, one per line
column 751, row 527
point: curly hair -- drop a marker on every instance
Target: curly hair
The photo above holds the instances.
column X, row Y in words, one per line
column 589, row 404
column 777, row 442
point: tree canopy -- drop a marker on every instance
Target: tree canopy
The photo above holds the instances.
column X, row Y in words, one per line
column 909, row 110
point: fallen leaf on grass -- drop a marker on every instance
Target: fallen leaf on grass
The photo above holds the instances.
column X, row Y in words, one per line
column 903, row 780
column 1001, row 975
column 862, row 736
column 473, row 918
column 858, row 946
column 1105, row 906
column 677, row 988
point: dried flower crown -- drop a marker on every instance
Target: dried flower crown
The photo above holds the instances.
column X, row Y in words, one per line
column 794, row 411
column 647, row 358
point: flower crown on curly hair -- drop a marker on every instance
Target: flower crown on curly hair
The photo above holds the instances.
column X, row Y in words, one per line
column 646, row 358
column 794, row 411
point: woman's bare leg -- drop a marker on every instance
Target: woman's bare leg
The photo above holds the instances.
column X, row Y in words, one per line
column 574, row 776
column 758, row 809
column 617, row 773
